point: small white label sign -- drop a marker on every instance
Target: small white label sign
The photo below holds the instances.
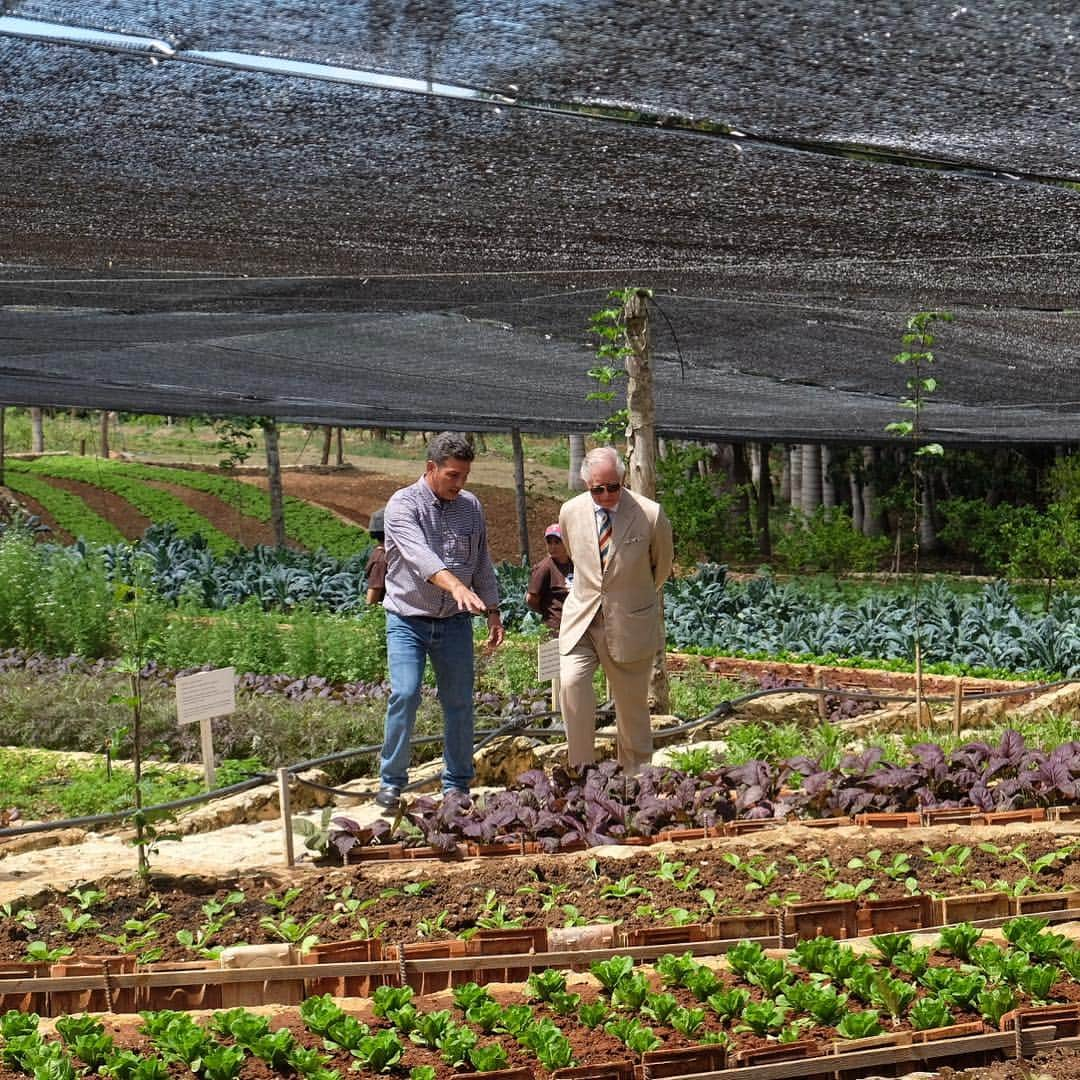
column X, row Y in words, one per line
column 547, row 660
column 205, row 695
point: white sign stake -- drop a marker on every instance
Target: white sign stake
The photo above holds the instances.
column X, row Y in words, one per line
column 200, row 698
column 547, row 668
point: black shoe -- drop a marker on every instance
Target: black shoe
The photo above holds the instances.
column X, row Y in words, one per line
column 389, row 798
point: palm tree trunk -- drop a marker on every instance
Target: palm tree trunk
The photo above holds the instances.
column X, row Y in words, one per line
column 811, row 478
column 37, row 431
column 577, row 456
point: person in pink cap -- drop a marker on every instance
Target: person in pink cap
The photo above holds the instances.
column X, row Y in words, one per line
column 551, row 579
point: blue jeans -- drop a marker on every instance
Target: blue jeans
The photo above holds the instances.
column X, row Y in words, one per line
column 410, row 640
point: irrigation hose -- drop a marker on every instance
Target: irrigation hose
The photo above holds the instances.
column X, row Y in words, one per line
column 516, row 724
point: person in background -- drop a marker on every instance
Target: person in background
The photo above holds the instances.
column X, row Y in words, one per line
column 375, row 571
column 622, row 548
column 439, row 575
column 550, row 581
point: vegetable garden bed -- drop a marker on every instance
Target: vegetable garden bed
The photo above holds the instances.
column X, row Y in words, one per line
column 681, row 1015
column 881, row 880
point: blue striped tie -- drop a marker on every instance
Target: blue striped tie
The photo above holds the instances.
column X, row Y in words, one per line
column 605, row 537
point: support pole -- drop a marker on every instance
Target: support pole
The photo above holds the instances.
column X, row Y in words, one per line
column 823, row 711
column 641, row 442
column 273, row 480
column 519, row 492
column 957, row 705
column 285, row 801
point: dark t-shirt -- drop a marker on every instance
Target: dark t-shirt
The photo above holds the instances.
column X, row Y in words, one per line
column 376, row 568
column 548, row 581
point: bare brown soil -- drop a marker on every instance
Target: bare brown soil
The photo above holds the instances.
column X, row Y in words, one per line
column 459, row 895
column 113, row 508
column 352, row 494
column 355, row 495
column 243, row 528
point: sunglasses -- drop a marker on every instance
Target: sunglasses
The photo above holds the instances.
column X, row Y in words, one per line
column 599, row 489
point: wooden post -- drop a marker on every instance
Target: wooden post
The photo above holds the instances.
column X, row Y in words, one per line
column 823, row 712
column 285, row 803
column 273, row 476
column 957, row 704
column 340, row 446
column 641, row 441
column 206, row 737
column 104, row 433
column 328, row 434
column 519, row 493
column 764, row 501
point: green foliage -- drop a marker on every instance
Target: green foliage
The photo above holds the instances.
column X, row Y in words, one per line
column 388, row 998
column 154, row 503
column 379, row 1052
column 608, row 327
column 702, row 516
column 56, row 600
column 70, row 513
column 859, row 1025
column 729, row 1004
column 930, row 1012
column 995, row 1003
column 959, row 940
column 762, row 1018
column 688, row 1022
column 827, row 541
column 488, row 1058
column 609, row 973
column 545, row 984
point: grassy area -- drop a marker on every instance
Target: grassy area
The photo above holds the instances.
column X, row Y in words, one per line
column 154, row 438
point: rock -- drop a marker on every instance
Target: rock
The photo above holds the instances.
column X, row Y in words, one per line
column 1062, row 700
column 779, row 708
column 16, row 845
column 503, row 760
column 257, row 804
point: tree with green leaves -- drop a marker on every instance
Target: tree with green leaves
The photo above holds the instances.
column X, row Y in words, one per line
column 918, row 359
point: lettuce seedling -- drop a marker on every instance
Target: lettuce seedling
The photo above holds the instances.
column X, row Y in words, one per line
column 859, row 1025
column 930, row 1012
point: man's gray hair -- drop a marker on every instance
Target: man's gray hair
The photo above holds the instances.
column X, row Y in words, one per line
column 602, row 455
column 450, row 444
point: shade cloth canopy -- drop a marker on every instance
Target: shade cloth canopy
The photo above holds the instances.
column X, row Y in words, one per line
column 193, row 226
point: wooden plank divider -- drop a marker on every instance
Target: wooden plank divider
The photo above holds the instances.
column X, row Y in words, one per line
column 217, row 976
column 535, row 961
column 829, row 1064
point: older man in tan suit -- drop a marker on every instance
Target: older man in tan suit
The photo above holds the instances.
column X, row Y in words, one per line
column 621, row 546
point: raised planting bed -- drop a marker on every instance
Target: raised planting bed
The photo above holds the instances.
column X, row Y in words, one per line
column 958, row 999
column 1008, row 783
column 843, row 884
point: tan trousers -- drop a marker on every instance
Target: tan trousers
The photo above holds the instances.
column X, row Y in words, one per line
column 629, row 685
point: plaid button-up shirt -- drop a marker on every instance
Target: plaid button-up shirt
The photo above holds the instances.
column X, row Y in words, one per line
column 426, row 534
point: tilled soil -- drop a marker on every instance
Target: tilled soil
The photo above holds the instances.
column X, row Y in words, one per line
column 433, row 899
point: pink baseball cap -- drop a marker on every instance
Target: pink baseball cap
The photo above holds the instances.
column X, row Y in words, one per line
column 553, row 530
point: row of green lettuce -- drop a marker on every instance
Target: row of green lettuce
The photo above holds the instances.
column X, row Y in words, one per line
column 66, row 600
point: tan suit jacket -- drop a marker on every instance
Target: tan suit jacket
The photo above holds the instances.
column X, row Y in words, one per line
column 627, row 591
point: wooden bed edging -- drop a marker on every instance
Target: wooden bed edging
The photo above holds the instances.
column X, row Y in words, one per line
column 829, row 1065
column 456, row 964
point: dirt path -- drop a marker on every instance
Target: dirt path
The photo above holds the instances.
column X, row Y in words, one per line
column 355, row 495
column 113, row 508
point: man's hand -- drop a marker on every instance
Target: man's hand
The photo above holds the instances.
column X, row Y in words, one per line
column 466, row 599
column 496, row 631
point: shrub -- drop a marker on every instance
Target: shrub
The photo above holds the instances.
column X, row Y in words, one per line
column 828, row 541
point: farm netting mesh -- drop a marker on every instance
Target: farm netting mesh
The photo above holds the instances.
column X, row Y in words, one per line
column 361, row 255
